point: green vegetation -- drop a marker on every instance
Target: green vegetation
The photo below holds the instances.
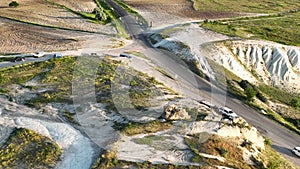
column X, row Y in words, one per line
column 273, row 160
column 295, row 102
column 276, row 94
column 134, row 128
column 29, row 150
column 100, row 14
column 254, row 6
column 164, row 73
column 288, row 118
column 13, row 4
column 109, row 160
column 126, row 7
column 111, row 17
column 281, row 28
column 218, row 146
column 70, row 117
column 132, row 12
column 57, row 76
column 228, row 148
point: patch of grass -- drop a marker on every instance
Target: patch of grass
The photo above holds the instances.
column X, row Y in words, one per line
column 56, row 75
column 27, row 149
column 276, row 94
column 134, row 128
column 112, row 17
column 276, row 117
column 164, row 73
column 281, row 28
column 224, row 76
column 273, row 160
column 70, row 117
column 218, row 146
column 254, row 6
column 126, row 7
column 109, row 160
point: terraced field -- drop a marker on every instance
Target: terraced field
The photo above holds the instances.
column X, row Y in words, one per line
column 17, row 38
column 44, row 12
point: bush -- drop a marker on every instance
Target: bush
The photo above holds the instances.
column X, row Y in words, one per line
column 223, row 152
column 295, row 102
column 244, row 84
column 13, row 4
column 267, row 141
column 261, row 97
column 250, row 93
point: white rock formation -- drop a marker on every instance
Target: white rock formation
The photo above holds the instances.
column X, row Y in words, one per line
column 251, row 60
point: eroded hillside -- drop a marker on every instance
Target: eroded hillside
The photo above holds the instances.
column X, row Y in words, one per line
column 270, row 63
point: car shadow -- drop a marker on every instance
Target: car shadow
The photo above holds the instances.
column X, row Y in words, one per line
column 284, row 150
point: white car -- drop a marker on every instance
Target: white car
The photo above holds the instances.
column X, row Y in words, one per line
column 228, row 112
column 38, row 54
column 296, row 151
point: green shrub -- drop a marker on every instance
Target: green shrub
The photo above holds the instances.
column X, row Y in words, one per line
column 261, row 97
column 223, row 152
column 295, row 102
column 250, row 93
column 13, row 4
column 267, row 141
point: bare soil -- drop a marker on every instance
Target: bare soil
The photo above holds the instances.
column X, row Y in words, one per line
column 18, row 38
column 78, row 5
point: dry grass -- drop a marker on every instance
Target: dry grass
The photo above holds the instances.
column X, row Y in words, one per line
column 254, row 6
column 218, row 146
column 179, row 8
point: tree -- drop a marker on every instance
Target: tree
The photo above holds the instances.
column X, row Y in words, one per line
column 295, row 102
column 99, row 14
column 13, row 4
column 250, row 93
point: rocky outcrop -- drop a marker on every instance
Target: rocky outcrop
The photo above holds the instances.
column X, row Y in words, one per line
column 173, row 112
column 271, row 63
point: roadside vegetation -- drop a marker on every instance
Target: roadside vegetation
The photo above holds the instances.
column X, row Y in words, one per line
column 132, row 12
column 112, row 17
column 254, row 96
column 227, row 148
column 282, row 28
column 27, row 149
